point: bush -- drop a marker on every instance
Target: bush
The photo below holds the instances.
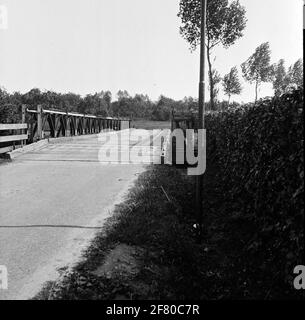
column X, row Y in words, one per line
column 259, row 150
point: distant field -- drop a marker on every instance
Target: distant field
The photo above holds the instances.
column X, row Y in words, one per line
column 149, row 125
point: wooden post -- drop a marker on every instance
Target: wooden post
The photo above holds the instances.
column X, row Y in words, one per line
column 201, row 106
column 76, row 125
column 67, row 123
column 39, row 122
column 23, row 142
column 172, row 119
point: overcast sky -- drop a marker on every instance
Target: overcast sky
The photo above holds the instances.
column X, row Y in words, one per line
column 93, row 45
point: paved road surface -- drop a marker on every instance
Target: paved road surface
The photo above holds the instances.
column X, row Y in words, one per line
column 52, row 202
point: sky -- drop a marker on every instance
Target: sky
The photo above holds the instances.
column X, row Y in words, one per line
column 88, row 46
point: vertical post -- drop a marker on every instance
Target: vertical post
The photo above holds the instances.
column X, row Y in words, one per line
column 23, row 142
column 75, row 126
column 84, row 125
column 201, row 106
column 39, row 122
column 67, row 124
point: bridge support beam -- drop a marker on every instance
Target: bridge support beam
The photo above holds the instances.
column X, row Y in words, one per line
column 39, row 123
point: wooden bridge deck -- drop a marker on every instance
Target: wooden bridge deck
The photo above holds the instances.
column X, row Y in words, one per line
column 92, row 148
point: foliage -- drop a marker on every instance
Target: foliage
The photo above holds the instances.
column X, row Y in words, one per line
column 225, row 25
column 231, row 83
column 257, row 68
column 225, row 22
column 286, row 81
column 216, row 79
column 9, row 113
column 99, row 103
column 259, row 149
column 280, row 78
column 137, row 106
column 295, row 74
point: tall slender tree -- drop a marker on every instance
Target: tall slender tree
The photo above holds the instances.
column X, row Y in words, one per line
column 231, row 83
column 216, row 79
column 226, row 22
column 280, row 78
column 257, row 68
column 295, row 74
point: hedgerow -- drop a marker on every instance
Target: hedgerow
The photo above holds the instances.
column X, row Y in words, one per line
column 259, row 151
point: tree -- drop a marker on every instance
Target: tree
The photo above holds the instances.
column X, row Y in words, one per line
column 216, row 79
column 189, row 104
column 34, row 97
column 9, row 112
column 231, row 83
column 123, row 94
column 295, row 74
column 257, row 68
column 225, row 25
column 108, row 97
column 280, row 78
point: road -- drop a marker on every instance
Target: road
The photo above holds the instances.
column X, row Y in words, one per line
column 52, row 203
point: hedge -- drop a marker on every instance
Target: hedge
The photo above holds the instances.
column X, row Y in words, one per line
column 260, row 155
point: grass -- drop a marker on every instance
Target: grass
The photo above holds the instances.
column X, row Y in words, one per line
column 150, row 125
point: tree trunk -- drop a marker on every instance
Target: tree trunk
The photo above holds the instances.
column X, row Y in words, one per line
column 256, row 88
column 211, row 79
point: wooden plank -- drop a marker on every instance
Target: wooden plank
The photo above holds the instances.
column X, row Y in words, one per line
column 13, row 138
column 6, row 149
column 13, row 126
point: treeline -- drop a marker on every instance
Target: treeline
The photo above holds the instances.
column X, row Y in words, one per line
column 99, row 104
column 258, row 70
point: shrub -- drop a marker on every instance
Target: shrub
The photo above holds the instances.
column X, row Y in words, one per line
column 259, row 149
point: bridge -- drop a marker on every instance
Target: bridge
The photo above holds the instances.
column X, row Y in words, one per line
column 52, row 123
column 56, row 193
column 42, row 123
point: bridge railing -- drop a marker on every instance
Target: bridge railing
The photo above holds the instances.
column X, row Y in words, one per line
column 45, row 123
column 12, row 136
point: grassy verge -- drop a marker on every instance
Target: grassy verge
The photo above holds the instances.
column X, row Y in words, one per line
column 150, row 125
